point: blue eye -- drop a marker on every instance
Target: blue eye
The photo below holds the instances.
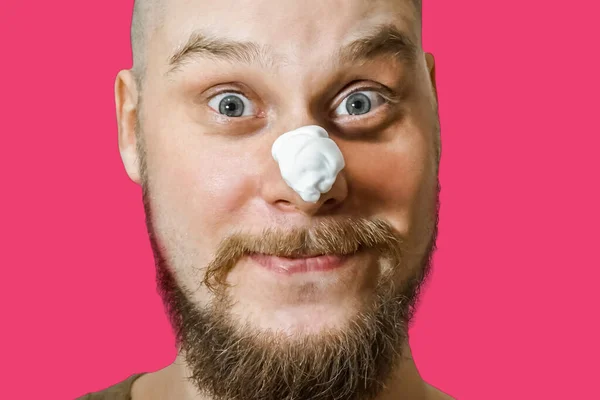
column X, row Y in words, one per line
column 231, row 105
column 359, row 103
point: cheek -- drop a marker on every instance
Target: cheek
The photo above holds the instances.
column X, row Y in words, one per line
column 197, row 191
column 392, row 179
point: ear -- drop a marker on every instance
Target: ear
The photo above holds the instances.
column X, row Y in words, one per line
column 126, row 100
column 431, row 68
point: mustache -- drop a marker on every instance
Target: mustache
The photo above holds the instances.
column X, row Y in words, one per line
column 343, row 236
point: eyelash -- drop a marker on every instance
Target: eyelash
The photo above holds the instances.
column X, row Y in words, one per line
column 382, row 91
column 388, row 96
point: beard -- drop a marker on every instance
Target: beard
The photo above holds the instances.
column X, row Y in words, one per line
column 228, row 360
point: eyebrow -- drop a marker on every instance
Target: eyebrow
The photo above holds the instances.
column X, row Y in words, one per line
column 207, row 46
column 384, row 40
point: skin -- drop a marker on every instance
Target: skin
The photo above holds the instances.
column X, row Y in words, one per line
column 207, row 175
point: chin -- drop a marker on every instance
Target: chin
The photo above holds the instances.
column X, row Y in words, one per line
column 297, row 320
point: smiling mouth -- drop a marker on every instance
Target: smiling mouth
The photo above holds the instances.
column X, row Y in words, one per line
column 295, row 265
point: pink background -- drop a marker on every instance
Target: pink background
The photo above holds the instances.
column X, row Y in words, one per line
column 511, row 311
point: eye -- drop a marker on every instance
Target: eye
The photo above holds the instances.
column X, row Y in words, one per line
column 359, row 103
column 232, row 104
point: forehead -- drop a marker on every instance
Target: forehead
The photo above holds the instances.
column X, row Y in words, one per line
column 301, row 31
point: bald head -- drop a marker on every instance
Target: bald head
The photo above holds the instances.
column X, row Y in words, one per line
column 147, row 18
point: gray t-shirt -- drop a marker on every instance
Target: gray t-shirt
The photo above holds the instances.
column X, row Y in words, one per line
column 119, row 391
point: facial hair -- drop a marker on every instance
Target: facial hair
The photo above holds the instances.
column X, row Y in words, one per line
column 229, row 361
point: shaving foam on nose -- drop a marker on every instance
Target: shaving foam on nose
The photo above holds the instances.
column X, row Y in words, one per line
column 309, row 161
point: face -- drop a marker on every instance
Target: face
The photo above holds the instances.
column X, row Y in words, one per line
column 220, row 86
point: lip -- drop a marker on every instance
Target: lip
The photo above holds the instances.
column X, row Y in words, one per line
column 290, row 266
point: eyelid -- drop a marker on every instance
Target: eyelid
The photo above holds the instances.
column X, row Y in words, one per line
column 227, row 91
column 381, row 90
column 231, row 87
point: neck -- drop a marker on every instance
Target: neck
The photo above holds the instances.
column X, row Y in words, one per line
column 171, row 382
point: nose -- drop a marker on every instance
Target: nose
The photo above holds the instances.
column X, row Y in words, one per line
column 277, row 194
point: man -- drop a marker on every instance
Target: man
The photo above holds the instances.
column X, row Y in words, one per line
column 272, row 296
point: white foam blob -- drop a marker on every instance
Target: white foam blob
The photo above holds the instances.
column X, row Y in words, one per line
column 309, row 161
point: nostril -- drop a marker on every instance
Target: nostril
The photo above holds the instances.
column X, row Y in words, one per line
column 284, row 205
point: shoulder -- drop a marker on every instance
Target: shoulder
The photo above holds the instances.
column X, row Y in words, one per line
column 118, row 391
column 436, row 394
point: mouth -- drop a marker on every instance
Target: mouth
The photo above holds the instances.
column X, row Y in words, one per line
column 296, row 265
